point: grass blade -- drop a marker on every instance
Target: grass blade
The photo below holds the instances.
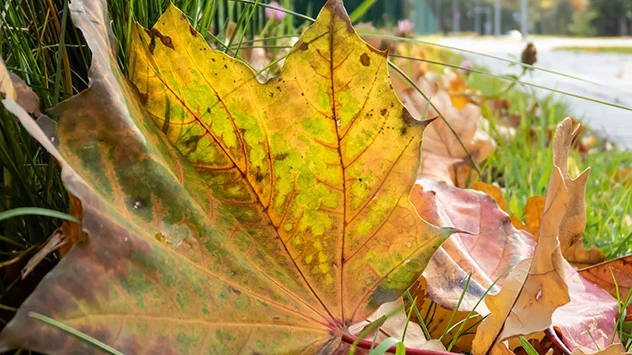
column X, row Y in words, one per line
column 384, row 346
column 361, row 10
column 527, row 346
column 513, row 62
column 77, row 334
column 517, row 81
column 36, row 211
column 413, row 84
column 289, row 12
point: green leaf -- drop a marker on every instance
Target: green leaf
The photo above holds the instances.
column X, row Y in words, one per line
column 223, row 213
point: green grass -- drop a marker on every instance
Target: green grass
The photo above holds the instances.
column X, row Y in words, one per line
column 522, row 165
column 39, row 44
column 597, row 49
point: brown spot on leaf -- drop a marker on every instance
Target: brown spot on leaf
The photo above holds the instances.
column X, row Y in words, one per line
column 365, row 60
column 143, row 98
column 193, row 31
column 258, row 176
column 383, row 112
column 408, row 118
column 303, row 46
column 192, row 143
column 166, row 40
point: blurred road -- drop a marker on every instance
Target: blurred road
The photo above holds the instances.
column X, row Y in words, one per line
column 612, row 72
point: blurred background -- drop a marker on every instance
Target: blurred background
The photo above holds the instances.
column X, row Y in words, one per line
column 590, row 39
column 495, row 17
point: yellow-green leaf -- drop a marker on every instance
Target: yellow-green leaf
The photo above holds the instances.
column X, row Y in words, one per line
column 224, row 215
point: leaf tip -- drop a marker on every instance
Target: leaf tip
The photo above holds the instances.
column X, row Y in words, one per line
column 337, row 8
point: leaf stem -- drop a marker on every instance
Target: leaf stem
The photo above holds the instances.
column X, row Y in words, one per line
column 557, row 342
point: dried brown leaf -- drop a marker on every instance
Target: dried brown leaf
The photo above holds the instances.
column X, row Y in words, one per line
column 536, row 287
column 574, row 222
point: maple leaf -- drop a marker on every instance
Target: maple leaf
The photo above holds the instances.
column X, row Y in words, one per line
column 268, row 237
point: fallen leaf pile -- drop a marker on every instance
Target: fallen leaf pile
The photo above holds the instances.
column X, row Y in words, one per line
column 225, row 209
column 584, row 313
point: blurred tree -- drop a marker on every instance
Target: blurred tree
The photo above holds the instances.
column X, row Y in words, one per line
column 383, row 12
column 612, row 17
column 582, row 23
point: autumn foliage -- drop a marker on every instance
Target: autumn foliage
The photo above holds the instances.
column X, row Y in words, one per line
column 219, row 212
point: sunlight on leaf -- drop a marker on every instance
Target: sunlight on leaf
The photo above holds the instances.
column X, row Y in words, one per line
column 442, row 152
column 574, row 222
column 257, row 230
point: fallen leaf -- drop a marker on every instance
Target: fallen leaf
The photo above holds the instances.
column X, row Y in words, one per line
column 394, row 326
column 439, row 319
column 587, row 322
column 574, row 222
column 543, row 286
column 493, row 247
column 614, row 349
column 269, row 238
column 533, row 215
column 462, row 209
column 535, row 288
column 605, row 274
column 533, row 209
column 460, row 93
column 449, row 270
column 501, row 349
column 441, row 150
column 495, row 192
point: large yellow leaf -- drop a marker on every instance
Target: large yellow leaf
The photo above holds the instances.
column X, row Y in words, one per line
column 223, row 214
column 302, row 157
